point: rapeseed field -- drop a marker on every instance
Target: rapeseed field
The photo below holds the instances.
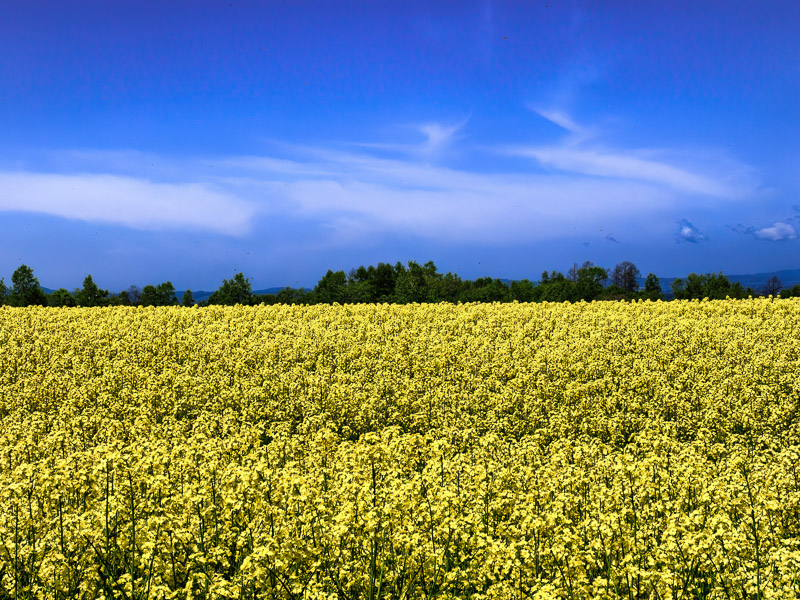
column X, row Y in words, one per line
column 572, row 451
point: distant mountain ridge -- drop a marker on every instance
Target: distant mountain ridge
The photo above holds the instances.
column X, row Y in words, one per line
column 788, row 277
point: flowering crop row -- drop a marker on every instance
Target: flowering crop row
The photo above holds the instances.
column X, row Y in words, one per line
column 604, row 450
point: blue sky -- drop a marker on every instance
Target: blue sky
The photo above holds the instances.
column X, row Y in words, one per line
column 146, row 141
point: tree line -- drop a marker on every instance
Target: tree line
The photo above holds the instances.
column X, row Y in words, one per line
column 402, row 284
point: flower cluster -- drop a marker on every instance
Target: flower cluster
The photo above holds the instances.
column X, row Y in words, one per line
column 589, row 450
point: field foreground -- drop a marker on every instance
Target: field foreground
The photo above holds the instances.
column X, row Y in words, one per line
column 604, row 450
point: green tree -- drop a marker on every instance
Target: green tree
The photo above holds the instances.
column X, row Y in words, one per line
column 3, row 292
column 431, row 273
column 362, row 273
column 26, row 290
column 237, row 290
column 359, row 292
column 384, row 282
column 552, row 276
column 737, row 290
column 292, row 296
column 332, row 287
column 614, row 293
column 447, row 288
column 590, row 280
column 60, row 297
column 161, row 295
column 188, row 298
column 121, row 299
column 555, row 287
column 696, row 285
column 652, row 287
column 522, row 290
column 485, row 289
column 411, row 285
column 792, row 292
column 265, row 299
column 557, row 290
column 689, row 288
column 148, row 296
column 166, row 294
column 423, row 284
column 678, row 287
column 90, row 294
column 361, row 284
column 716, row 287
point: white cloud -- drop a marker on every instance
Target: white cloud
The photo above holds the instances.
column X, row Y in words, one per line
column 777, row 233
column 444, row 204
column 687, row 232
column 126, row 201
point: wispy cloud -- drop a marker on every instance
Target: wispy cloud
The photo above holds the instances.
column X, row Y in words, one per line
column 563, row 120
column 580, row 154
column 363, row 194
column 604, row 163
column 126, row 201
column 439, row 135
column 687, row 232
column 420, row 199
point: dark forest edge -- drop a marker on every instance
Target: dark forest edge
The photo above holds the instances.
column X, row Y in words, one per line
column 401, row 284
